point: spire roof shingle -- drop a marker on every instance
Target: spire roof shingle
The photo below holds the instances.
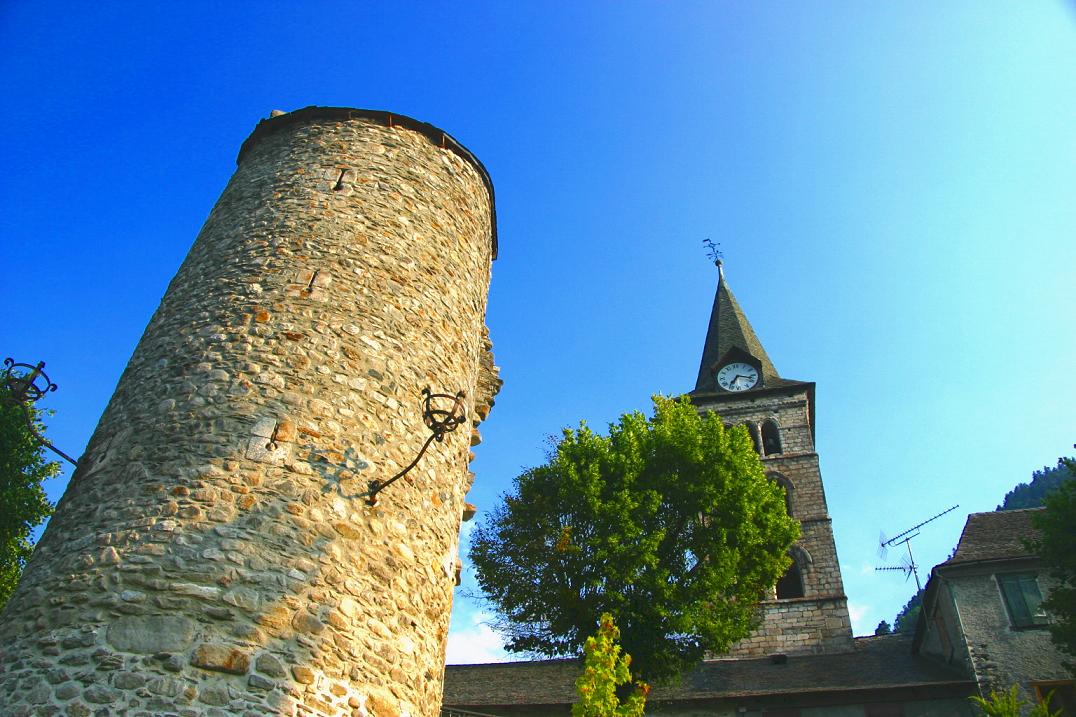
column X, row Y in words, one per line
column 729, row 328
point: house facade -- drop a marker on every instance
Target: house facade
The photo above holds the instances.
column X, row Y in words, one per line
column 982, row 612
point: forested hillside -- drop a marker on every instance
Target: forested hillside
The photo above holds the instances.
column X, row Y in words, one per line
column 1030, row 495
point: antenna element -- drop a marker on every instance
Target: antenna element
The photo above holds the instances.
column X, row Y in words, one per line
column 908, row 565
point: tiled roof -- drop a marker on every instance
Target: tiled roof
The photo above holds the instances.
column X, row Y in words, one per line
column 997, row 535
column 873, row 663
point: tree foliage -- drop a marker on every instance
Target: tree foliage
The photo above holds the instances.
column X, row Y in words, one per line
column 1044, row 482
column 23, row 504
column 909, row 615
column 883, row 629
column 1057, row 548
column 605, row 668
column 668, row 524
column 1008, row 704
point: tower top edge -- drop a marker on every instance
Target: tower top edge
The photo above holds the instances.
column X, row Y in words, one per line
column 437, row 136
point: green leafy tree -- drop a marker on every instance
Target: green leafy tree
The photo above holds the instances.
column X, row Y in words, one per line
column 23, row 504
column 883, row 628
column 668, row 523
column 1007, row 704
column 909, row 615
column 605, row 669
column 1057, row 548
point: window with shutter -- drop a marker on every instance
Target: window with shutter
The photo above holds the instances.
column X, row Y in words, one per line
column 1023, row 601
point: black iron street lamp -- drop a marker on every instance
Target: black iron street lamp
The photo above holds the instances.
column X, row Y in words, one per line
column 439, row 420
column 25, row 384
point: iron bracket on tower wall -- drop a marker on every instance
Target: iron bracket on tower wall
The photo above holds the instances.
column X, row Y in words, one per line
column 23, row 391
column 439, row 420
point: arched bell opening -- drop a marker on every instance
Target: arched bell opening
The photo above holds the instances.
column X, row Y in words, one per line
column 771, row 437
column 756, row 439
column 791, row 583
column 786, row 484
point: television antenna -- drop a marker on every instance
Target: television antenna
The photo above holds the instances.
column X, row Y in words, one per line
column 907, row 565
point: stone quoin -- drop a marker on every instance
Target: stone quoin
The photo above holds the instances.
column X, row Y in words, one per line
column 215, row 552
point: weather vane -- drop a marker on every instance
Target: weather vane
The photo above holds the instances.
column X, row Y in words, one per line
column 713, row 250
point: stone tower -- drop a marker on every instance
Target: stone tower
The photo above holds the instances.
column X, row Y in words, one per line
column 808, row 610
column 215, row 552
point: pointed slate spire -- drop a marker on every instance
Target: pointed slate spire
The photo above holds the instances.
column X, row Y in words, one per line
column 729, row 329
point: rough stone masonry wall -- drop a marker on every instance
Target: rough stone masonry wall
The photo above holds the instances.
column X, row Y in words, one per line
column 799, row 626
column 1003, row 655
column 214, row 553
column 819, row 621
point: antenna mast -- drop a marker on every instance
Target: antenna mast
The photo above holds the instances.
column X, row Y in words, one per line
column 908, row 565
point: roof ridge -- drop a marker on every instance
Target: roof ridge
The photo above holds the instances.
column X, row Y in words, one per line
column 1008, row 510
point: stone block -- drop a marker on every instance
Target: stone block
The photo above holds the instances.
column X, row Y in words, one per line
column 269, row 665
column 307, row 623
column 100, row 694
column 303, row 675
column 260, row 683
column 221, row 658
column 150, row 634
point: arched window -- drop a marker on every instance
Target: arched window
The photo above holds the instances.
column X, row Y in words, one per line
column 791, row 583
column 753, row 430
column 784, row 483
column 771, row 437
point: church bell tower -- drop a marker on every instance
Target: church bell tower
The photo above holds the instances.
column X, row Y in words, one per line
column 807, row 612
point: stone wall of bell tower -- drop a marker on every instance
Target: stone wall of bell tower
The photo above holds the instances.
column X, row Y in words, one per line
column 817, row 620
column 215, row 552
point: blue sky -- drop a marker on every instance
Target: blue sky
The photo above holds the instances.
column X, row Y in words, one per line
column 892, row 186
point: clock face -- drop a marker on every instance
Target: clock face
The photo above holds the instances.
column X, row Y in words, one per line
column 737, row 377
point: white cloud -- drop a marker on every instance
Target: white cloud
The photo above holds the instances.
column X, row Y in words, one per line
column 470, row 638
column 848, row 569
column 475, row 642
column 465, row 533
column 861, row 621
